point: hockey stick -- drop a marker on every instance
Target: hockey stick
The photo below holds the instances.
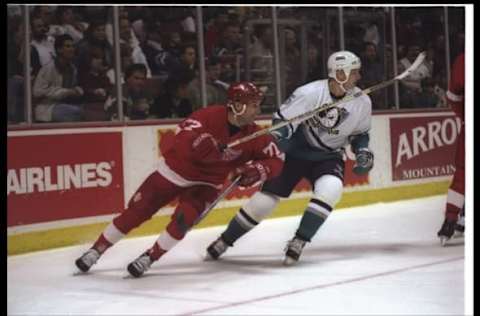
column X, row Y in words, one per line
column 309, row 114
column 224, row 193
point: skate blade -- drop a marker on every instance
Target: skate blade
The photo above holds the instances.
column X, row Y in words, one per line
column 289, row 262
column 80, row 273
column 207, row 258
column 443, row 241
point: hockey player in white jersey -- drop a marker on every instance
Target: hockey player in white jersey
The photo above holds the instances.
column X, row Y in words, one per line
column 314, row 150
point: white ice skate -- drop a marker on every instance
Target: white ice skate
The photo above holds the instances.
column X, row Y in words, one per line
column 293, row 250
column 216, row 249
column 140, row 265
column 87, row 260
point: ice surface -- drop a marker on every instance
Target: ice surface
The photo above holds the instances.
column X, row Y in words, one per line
column 376, row 259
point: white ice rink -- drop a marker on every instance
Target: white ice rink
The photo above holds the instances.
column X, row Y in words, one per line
column 377, row 259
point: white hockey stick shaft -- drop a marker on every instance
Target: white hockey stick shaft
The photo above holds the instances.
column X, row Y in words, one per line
column 309, row 114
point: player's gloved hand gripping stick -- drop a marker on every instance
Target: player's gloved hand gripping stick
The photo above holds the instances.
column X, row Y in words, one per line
column 309, row 114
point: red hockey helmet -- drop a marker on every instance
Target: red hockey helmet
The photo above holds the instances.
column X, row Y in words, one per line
column 244, row 93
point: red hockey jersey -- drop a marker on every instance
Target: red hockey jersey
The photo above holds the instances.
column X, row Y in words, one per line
column 455, row 93
column 179, row 165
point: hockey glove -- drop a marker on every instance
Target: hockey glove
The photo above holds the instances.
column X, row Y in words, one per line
column 364, row 161
column 250, row 174
column 206, row 149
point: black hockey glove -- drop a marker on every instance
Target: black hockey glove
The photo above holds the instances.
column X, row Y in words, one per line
column 364, row 161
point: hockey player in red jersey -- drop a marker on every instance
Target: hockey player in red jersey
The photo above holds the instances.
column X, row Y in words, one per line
column 194, row 170
column 455, row 206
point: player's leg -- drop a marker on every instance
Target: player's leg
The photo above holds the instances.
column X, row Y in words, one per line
column 192, row 202
column 327, row 183
column 455, row 196
column 260, row 205
column 154, row 192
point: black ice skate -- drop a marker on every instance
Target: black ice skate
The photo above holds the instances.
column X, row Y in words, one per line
column 446, row 231
column 459, row 227
column 216, row 249
column 87, row 260
column 140, row 265
column 293, row 250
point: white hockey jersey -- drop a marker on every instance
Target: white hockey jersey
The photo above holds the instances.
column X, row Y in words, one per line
column 326, row 133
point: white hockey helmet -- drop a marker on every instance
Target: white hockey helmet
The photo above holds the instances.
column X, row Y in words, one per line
column 342, row 60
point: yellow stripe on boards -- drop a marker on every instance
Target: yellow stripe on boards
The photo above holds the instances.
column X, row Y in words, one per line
column 87, row 234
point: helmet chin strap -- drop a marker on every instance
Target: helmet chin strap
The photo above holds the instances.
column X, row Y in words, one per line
column 235, row 112
column 341, row 83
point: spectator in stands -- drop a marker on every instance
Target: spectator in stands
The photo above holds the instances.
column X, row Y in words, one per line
column 187, row 62
column 261, row 61
column 230, row 41
column 440, row 82
column 125, row 62
column 157, row 56
column 139, row 17
column 372, row 35
column 136, row 99
column 262, row 52
column 122, row 13
column 95, row 38
column 188, row 56
column 15, row 62
column 173, row 102
column 372, row 74
column 188, row 21
column 93, row 79
column 56, row 87
column 228, row 48
column 427, row 97
column 66, row 23
column 315, row 64
column 215, row 88
column 47, row 14
column 172, row 42
column 436, row 56
column 214, row 27
column 410, row 87
column 138, row 56
column 42, row 44
column 292, row 59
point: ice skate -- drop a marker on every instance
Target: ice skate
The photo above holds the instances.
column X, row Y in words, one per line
column 446, row 231
column 140, row 265
column 459, row 227
column 87, row 260
column 293, row 250
column 216, row 249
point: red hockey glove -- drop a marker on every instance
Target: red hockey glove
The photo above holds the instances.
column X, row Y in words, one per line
column 250, row 174
column 206, row 149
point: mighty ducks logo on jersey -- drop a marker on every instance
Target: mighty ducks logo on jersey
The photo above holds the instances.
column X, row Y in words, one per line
column 328, row 119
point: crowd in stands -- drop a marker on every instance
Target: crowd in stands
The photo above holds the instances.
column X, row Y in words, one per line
column 73, row 69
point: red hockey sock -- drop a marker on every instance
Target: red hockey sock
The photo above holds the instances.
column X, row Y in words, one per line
column 101, row 244
column 452, row 212
column 156, row 252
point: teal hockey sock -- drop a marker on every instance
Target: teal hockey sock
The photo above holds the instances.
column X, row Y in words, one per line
column 313, row 218
column 238, row 226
